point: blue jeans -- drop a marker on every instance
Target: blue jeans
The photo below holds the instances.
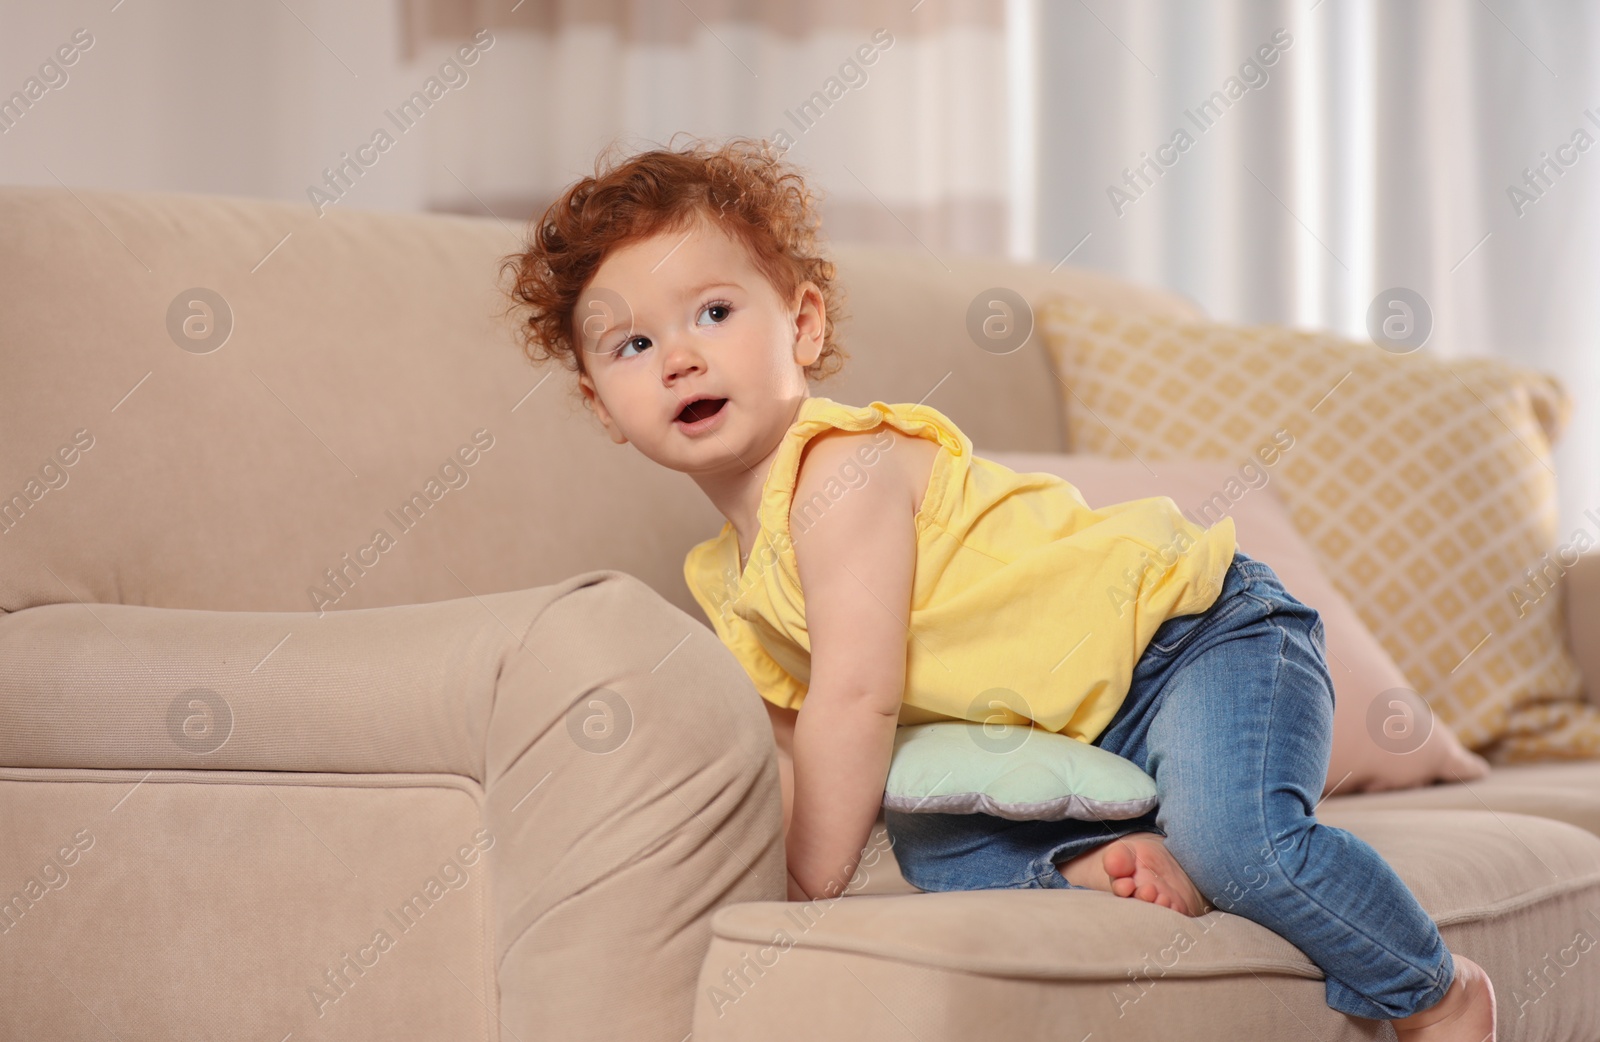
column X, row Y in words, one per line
column 1231, row 712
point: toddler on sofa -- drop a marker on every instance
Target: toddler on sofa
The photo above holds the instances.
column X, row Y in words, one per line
column 872, row 572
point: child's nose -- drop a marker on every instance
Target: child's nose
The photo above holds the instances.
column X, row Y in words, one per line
column 679, row 355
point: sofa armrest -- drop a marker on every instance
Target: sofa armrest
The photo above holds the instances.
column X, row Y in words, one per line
column 1581, row 604
column 629, row 779
column 395, row 689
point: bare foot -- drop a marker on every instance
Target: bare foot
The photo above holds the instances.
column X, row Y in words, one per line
column 1137, row 865
column 1466, row 1013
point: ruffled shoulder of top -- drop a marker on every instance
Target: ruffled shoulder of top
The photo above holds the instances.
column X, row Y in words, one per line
column 817, row 414
column 702, row 566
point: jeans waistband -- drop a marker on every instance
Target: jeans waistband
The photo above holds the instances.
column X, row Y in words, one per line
column 1250, row 567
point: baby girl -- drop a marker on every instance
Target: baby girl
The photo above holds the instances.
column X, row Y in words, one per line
column 872, row 572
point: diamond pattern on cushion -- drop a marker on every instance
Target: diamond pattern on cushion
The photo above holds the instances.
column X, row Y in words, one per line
column 1424, row 485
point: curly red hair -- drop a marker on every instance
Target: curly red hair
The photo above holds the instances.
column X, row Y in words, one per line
column 764, row 203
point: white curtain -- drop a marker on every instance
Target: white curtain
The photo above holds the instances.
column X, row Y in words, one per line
column 1379, row 149
column 1376, row 151
column 908, row 144
column 896, row 110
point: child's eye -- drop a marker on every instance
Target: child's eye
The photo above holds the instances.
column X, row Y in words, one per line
column 718, row 305
column 618, row 352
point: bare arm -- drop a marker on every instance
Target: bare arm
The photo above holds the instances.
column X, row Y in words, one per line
column 783, row 721
column 857, row 561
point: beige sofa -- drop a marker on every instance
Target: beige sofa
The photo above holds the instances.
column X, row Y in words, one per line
column 266, row 773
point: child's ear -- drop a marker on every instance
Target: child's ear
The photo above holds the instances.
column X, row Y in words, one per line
column 591, row 398
column 810, row 323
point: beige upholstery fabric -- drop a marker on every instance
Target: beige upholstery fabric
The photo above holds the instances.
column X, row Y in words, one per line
column 368, row 370
column 1565, row 791
column 474, row 678
column 366, row 748
column 367, row 349
column 337, row 927
column 1065, row 964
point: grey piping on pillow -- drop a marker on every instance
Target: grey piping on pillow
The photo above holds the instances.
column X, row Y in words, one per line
column 1073, row 806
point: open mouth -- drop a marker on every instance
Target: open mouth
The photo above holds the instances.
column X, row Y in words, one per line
column 701, row 409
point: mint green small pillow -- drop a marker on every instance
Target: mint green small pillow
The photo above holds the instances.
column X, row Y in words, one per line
column 1011, row 771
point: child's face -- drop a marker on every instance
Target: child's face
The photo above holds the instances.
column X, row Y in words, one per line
column 684, row 314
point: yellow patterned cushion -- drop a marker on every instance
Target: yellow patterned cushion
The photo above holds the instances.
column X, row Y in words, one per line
column 1424, row 486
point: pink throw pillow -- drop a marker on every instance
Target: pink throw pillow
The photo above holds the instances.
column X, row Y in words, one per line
column 1384, row 736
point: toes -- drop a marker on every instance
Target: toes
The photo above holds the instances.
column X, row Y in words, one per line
column 1119, row 860
column 1142, row 868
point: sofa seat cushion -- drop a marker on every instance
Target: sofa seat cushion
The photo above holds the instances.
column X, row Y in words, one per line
column 1064, row 964
column 1566, row 791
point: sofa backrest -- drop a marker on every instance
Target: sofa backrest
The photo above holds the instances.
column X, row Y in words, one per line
column 315, row 460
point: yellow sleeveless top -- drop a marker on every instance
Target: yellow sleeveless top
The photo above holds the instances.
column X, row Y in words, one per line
column 1025, row 603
